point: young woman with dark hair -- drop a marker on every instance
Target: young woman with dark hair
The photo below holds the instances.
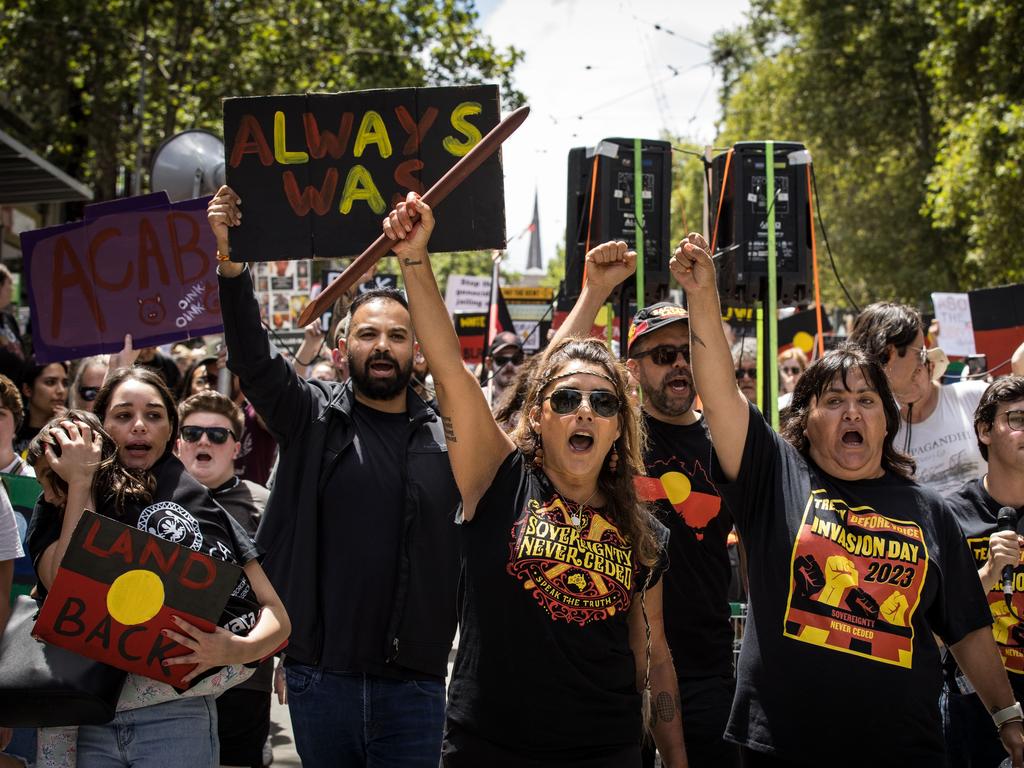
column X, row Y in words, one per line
column 124, row 468
column 44, row 389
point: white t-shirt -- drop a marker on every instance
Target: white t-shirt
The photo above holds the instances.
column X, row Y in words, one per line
column 944, row 445
column 10, row 539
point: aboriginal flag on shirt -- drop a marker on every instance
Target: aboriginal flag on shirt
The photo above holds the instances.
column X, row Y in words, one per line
column 122, row 580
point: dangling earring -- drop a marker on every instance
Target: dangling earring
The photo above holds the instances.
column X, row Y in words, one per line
column 613, row 460
column 538, row 454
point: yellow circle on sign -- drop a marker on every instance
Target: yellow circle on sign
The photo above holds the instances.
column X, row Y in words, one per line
column 804, row 340
column 677, row 487
column 135, row 597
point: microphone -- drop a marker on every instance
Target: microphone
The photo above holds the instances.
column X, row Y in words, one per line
column 1006, row 520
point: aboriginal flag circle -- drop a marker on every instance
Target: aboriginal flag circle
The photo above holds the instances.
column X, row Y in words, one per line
column 135, row 597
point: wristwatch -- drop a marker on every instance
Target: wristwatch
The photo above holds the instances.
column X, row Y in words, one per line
column 1012, row 714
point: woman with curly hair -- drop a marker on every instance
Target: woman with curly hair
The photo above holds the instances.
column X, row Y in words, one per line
column 560, row 610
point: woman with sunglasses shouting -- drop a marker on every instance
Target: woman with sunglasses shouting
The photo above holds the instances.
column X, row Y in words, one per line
column 560, row 610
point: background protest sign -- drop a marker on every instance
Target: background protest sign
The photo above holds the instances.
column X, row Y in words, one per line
column 116, row 590
column 138, row 265
column 956, row 332
column 997, row 316
column 22, row 491
column 317, row 173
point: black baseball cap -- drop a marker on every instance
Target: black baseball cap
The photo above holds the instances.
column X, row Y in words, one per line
column 503, row 340
column 654, row 317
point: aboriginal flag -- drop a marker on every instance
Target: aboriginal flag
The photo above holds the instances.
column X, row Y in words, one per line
column 997, row 315
column 799, row 330
column 117, row 589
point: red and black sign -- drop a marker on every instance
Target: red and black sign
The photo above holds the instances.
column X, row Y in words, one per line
column 318, row 172
column 117, row 589
column 997, row 315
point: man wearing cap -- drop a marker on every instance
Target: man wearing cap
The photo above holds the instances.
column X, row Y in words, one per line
column 678, row 485
column 502, row 362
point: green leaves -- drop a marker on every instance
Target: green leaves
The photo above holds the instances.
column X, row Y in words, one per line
column 73, row 66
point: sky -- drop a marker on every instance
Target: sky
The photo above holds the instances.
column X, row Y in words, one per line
column 596, row 69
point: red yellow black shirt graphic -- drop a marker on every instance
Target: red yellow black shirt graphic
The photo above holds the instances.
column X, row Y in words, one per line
column 577, row 573
column 1007, row 626
column 856, row 581
column 695, row 508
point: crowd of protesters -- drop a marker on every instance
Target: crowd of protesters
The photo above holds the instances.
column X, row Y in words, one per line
column 574, row 517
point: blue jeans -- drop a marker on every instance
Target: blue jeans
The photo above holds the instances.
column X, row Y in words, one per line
column 364, row 720
column 169, row 735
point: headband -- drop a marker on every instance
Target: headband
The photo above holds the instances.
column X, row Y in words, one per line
column 588, row 373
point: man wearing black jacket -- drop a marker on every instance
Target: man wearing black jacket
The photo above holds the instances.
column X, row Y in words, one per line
column 358, row 532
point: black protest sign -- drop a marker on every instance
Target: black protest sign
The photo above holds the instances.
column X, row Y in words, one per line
column 317, row 173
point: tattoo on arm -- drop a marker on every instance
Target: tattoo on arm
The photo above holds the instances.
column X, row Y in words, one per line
column 411, row 262
column 665, row 707
column 697, row 339
column 449, row 430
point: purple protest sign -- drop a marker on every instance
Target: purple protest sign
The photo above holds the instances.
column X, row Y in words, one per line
column 145, row 270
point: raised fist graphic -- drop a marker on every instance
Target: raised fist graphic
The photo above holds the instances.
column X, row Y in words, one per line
column 807, row 575
column 840, row 575
column 894, row 609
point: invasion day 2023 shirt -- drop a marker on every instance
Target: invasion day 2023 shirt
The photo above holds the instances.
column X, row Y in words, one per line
column 977, row 512
column 545, row 672
column 848, row 581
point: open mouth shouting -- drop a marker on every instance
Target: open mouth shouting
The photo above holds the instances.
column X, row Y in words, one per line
column 138, row 452
column 381, row 367
column 852, row 437
column 581, row 441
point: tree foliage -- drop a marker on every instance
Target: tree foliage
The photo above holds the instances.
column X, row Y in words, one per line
column 73, row 67
column 912, row 112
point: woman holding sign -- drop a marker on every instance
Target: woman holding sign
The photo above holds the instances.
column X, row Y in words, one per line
column 138, row 414
column 853, row 566
column 560, row 616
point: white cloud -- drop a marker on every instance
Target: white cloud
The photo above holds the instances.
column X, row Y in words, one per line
column 597, row 69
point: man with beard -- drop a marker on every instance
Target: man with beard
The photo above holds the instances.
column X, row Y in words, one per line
column 359, row 529
column 678, row 485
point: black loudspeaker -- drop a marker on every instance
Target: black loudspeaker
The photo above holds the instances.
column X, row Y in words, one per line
column 614, row 211
column 742, row 223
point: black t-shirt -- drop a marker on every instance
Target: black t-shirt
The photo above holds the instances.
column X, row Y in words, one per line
column 182, row 511
column 544, row 668
column 848, row 581
column 696, row 596
column 976, row 512
column 361, row 514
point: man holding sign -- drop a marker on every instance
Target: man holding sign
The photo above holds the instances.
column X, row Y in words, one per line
column 358, row 531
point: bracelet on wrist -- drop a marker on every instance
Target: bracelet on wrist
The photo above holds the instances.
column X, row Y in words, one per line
column 1010, row 714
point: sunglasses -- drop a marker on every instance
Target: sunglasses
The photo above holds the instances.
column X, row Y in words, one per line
column 216, row 435
column 88, row 393
column 665, row 354
column 501, row 362
column 922, row 355
column 749, row 372
column 791, row 370
column 602, row 402
column 1015, row 420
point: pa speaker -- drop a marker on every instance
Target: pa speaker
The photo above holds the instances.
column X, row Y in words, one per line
column 741, row 232
column 610, row 214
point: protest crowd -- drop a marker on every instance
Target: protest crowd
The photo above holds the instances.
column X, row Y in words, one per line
column 632, row 566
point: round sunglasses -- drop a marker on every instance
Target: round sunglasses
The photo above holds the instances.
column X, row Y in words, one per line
column 216, row 435
column 567, row 400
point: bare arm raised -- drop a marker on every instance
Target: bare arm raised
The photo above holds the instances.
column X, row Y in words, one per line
column 608, row 264
column 476, row 445
column 725, row 408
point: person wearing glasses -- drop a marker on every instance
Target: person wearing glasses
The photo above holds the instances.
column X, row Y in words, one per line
column 854, row 567
column 792, row 364
column 677, row 483
column 744, row 360
column 207, row 446
column 502, row 362
column 936, row 420
column 999, row 427
column 560, row 612
column 87, row 382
